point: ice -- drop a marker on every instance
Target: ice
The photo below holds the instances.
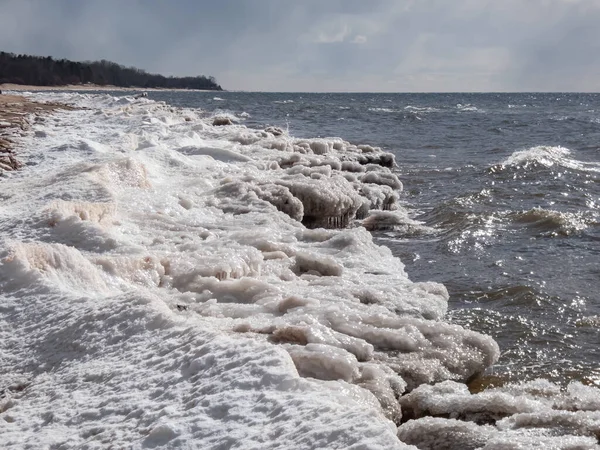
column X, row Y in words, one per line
column 314, row 264
column 37, row 265
column 387, row 179
column 525, row 415
column 439, row 434
column 328, row 202
column 398, row 220
column 217, row 153
column 167, row 282
column 454, row 401
column 324, row 362
column 445, row 434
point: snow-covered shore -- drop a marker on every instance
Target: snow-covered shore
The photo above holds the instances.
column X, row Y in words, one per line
column 167, row 282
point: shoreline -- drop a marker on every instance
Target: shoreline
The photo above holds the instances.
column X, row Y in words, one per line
column 15, row 111
column 348, row 368
column 88, row 87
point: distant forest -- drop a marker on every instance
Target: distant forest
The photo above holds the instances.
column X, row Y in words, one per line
column 46, row 71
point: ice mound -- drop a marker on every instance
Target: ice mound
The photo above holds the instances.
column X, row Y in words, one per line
column 235, row 262
column 101, row 213
column 324, row 362
column 335, row 181
column 523, row 415
column 453, row 400
column 217, row 153
column 444, row 434
column 243, row 196
column 382, row 178
column 434, row 433
column 85, row 225
column 123, row 372
column 123, row 173
column 421, row 351
column 317, row 265
column 26, row 265
column 146, row 271
column 328, row 202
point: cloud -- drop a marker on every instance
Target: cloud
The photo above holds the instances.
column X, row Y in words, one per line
column 330, row 38
column 389, row 45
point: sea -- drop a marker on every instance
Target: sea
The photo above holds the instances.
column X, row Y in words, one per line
column 236, row 270
column 509, row 186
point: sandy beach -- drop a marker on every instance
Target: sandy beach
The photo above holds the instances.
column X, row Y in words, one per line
column 15, row 111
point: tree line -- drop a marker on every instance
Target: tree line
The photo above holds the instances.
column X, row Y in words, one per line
column 46, row 71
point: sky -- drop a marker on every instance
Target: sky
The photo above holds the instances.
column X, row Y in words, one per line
column 325, row 45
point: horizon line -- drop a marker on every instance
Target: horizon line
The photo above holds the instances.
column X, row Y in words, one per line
column 406, row 92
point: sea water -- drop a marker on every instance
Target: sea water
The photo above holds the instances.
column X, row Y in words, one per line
column 269, row 284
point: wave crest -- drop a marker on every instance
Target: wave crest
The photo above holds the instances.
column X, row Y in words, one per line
column 544, row 156
column 553, row 222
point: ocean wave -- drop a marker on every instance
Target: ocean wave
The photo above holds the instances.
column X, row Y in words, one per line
column 385, row 110
column 589, row 321
column 553, row 223
column 422, row 109
column 545, row 157
column 467, row 108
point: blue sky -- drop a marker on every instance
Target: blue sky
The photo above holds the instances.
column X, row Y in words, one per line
column 326, row 45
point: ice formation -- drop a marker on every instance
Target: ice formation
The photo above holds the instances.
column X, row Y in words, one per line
column 535, row 414
column 168, row 281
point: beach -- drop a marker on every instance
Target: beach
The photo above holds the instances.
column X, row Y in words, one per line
column 169, row 282
column 15, row 112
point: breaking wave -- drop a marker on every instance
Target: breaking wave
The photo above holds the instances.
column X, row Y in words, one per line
column 544, row 157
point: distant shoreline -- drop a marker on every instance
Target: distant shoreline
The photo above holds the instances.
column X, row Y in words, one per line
column 88, row 87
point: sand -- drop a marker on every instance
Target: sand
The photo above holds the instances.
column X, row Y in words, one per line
column 15, row 111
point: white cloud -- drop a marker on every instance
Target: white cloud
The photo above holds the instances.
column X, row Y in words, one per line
column 332, row 37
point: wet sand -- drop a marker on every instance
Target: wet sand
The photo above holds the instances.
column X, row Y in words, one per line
column 15, row 112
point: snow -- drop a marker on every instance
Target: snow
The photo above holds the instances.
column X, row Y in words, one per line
column 169, row 283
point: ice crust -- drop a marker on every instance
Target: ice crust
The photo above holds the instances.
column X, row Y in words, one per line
column 169, row 282
column 529, row 415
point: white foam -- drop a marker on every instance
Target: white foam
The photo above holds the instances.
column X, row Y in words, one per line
column 547, row 156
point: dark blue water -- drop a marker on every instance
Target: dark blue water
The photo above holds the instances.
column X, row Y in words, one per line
column 510, row 185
